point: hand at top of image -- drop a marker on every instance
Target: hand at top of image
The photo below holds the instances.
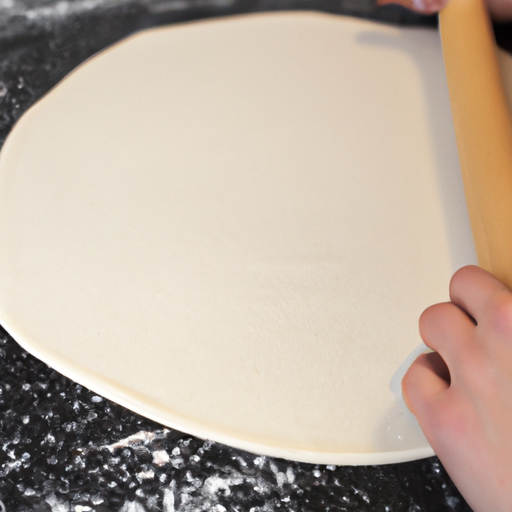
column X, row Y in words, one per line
column 501, row 10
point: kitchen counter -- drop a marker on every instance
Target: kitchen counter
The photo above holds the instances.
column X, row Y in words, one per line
column 63, row 448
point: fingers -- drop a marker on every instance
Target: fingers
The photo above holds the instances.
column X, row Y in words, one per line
column 463, row 333
column 466, row 331
column 425, row 380
column 422, row 6
column 474, row 290
column 448, row 330
column 501, row 10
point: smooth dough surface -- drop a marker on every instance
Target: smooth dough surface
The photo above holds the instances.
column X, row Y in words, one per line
column 232, row 227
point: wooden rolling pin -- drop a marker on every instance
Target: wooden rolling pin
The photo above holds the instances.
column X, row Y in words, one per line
column 483, row 128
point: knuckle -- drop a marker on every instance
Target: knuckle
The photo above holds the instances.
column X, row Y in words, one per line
column 437, row 321
column 433, row 313
column 463, row 274
column 499, row 314
column 425, row 317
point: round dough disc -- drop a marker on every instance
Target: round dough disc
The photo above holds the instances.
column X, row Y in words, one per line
column 232, row 226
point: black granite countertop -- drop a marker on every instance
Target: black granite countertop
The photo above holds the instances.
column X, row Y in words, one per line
column 63, row 448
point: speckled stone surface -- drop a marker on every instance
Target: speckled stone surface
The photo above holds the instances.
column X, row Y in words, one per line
column 63, row 448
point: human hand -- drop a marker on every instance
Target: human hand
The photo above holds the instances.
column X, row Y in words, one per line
column 501, row 10
column 461, row 394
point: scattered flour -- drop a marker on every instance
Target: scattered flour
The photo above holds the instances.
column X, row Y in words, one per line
column 56, row 504
column 160, row 457
column 168, row 500
column 33, row 11
column 132, row 506
column 142, row 437
column 145, row 475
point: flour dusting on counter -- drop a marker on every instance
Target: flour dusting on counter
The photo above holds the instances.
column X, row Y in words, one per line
column 64, row 450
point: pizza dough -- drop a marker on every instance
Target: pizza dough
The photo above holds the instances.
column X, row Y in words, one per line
column 232, row 226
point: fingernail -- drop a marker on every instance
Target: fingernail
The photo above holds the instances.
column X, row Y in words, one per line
column 422, row 6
